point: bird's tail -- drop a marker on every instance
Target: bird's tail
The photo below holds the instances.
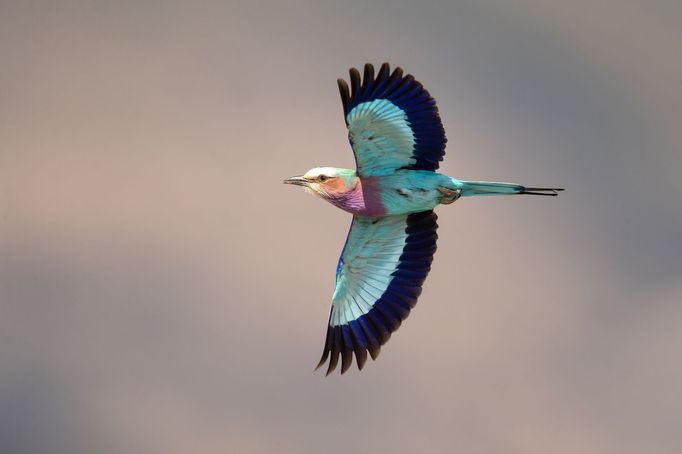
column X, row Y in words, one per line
column 471, row 188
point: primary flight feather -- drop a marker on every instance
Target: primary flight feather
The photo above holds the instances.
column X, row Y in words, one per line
column 398, row 141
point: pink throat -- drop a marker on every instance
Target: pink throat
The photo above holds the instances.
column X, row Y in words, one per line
column 363, row 199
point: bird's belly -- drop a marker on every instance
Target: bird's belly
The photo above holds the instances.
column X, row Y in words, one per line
column 390, row 201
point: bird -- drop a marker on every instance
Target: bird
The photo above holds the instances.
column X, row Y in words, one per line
column 398, row 140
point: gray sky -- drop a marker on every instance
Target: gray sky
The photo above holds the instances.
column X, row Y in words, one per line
column 162, row 292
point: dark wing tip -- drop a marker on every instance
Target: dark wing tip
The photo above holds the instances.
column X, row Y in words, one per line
column 333, row 361
column 354, row 82
column 360, row 357
column 344, row 91
column 328, row 344
column 360, row 353
column 346, row 360
column 368, row 75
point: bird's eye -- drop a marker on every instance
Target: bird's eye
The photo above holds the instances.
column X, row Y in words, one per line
column 322, row 178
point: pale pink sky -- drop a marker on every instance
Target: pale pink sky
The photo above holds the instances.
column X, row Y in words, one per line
column 161, row 291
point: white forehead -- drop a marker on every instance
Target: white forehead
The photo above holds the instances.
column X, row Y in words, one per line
column 317, row 171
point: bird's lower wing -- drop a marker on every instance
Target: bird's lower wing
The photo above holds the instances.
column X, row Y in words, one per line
column 378, row 280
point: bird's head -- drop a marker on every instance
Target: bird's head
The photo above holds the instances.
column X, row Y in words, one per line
column 326, row 182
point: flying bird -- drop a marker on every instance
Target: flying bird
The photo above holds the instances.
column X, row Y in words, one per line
column 398, row 141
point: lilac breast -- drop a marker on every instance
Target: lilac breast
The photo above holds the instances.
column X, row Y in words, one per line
column 363, row 200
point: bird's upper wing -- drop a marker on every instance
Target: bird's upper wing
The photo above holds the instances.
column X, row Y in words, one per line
column 378, row 280
column 392, row 122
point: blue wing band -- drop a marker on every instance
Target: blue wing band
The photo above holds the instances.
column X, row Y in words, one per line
column 369, row 331
column 408, row 95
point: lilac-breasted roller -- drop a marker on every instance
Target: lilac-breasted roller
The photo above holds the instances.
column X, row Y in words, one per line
column 398, row 140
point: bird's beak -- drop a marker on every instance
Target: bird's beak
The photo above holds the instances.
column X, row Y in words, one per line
column 298, row 181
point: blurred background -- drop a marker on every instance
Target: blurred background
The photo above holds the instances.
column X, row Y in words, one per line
column 161, row 291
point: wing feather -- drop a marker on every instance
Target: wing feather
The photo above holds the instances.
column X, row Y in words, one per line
column 382, row 267
column 393, row 122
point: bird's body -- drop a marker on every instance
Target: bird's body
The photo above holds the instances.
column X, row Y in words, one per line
column 401, row 192
column 398, row 140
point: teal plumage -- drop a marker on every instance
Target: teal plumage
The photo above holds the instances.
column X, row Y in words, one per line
column 398, row 141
